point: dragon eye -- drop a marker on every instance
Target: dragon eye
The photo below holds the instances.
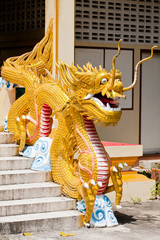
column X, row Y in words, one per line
column 117, row 79
column 103, row 80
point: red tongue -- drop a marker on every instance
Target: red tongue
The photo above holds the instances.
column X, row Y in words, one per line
column 107, row 100
column 114, row 106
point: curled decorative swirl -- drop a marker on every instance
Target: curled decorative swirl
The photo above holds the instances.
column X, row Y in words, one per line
column 28, row 152
column 98, row 202
column 44, row 147
column 81, row 206
column 107, row 201
column 111, row 216
column 38, row 161
column 37, row 145
column 98, row 215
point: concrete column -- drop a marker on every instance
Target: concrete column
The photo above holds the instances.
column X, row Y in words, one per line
column 66, row 31
column 65, row 24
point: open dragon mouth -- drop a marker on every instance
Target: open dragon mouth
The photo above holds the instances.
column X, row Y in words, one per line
column 107, row 104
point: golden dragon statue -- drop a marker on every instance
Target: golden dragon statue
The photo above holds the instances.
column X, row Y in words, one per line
column 78, row 98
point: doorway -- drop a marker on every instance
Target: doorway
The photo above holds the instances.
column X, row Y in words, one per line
column 150, row 104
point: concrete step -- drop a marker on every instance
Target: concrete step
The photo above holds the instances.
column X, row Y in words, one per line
column 40, row 222
column 29, row 201
column 15, row 162
column 23, row 176
column 8, row 150
column 6, row 137
column 36, row 205
column 30, row 190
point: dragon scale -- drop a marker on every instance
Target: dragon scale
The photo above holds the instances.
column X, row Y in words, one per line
column 45, row 127
column 102, row 161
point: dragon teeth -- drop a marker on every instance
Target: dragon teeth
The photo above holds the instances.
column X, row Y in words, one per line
column 88, row 96
column 106, row 108
column 98, row 101
column 117, row 109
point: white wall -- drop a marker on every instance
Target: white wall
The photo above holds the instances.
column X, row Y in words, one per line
column 7, row 98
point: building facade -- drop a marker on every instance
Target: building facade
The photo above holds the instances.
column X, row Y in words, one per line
column 89, row 30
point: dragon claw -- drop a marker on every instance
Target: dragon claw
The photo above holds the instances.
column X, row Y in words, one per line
column 18, row 119
column 125, row 164
column 93, row 182
column 89, row 192
column 120, row 165
column 99, row 184
column 87, row 225
column 115, row 169
column 86, row 185
column 118, row 206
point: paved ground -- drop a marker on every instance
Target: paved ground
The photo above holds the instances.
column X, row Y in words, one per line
column 136, row 222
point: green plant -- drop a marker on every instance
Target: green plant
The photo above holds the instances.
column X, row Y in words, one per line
column 155, row 190
column 136, row 200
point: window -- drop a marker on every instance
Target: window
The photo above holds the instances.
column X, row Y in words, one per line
column 134, row 21
column 21, row 15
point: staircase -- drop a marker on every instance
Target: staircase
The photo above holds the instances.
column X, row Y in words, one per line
column 29, row 200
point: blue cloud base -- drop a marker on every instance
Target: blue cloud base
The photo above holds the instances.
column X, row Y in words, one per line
column 102, row 215
column 41, row 154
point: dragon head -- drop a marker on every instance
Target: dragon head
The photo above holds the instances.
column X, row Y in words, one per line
column 96, row 91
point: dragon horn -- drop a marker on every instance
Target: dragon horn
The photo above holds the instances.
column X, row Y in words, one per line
column 114, row 58
column 113, row 64
column 136, row 70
